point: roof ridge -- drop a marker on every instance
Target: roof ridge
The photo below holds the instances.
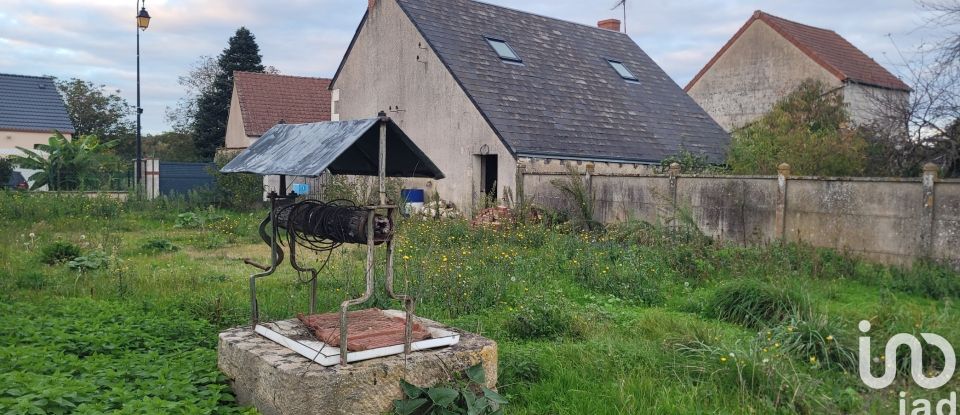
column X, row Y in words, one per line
column 761, row 14
column 281, row 75
column 28, row 76
column 592, row 26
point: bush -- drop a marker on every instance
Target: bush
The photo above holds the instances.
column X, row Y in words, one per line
column 815, row 339
column 754, row 304
column 159, row 245
column 89, row 262
column 59, row 252
column 238, row 191
column 809, row 129
column 546, row 318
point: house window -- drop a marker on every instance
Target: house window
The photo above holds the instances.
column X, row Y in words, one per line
column 504, row 50
column 622, row 70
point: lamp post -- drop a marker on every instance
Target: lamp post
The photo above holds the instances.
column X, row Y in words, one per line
column 143, row 20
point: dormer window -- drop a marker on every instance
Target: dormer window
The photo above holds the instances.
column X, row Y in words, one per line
column 504, row 50
column 622, row 70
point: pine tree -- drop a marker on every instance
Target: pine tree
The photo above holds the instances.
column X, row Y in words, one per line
column 213, row 105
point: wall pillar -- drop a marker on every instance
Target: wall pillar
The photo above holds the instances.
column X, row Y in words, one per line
column 520, row 202
column 783, row 173
column 926, row 225
column 674, row 173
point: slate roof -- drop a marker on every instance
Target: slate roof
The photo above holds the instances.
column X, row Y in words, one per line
column 266, row 99
column 565, row 100
column 32, row 104
column 826, row 47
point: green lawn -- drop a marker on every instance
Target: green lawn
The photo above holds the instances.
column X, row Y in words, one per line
column 632, row 320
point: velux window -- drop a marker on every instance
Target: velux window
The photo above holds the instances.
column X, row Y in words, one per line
column 622, row 70
column 504, row 50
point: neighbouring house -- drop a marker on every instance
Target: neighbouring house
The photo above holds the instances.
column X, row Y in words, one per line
column 31, row 110
column 769, row 57
column 262, row 100
column 484, row 89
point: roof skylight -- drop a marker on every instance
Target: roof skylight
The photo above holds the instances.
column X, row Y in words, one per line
column 622, row 70
column 504, row 50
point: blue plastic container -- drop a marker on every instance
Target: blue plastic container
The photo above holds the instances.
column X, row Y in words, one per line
column 412, row 195
column 301, row 188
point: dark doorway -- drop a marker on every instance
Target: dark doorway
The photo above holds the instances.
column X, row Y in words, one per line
column 488, row 176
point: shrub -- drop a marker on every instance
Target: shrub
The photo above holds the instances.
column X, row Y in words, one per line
column 545, row 318
column 929, row 279
column 159, row 245
column 754, row 304
column 809, row 129
column 89, row 262
column 815, row 339
column 59, row 252
column 239, row 191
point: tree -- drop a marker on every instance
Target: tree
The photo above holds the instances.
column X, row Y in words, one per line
column 170, row 146
column 809, row 129
column 67, row 164
column 213, row 105
column 96, row 111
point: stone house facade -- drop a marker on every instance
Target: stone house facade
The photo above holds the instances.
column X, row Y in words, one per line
column 769, row 57
column 483, row 89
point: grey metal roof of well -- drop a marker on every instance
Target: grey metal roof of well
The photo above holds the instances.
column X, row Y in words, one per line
column 32, row 103
column 343, row 147
column 565, row 100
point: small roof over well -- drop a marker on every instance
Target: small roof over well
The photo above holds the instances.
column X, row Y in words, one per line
column 343, row 147
column 826, row 47
column 32, row 104
column 562, row 97
column 266, row 99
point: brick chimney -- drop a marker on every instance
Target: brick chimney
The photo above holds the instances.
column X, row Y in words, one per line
column 371, row 4
column 609, row 24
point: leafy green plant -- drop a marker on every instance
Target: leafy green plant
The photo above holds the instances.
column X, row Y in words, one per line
column 89, row 262
column 238, row 191
column 545, row 317
column 197, row 219
column 469, row 397
column 809, row 129
column 59, row 252
column 159, row 245
column 815, row 339
column 66, row 164
column 754, row 304
column 573, row 186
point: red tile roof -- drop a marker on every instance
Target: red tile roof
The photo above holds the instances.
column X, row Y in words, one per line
column 266, row 99
column 826, row 47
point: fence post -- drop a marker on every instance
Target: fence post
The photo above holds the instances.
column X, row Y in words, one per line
column 783, row 172
column 926, row 214
column 674, row 173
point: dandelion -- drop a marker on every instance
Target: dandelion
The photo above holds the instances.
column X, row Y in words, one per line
column 723, row 358
column 406, row 258
column 776, row 345
column 32, row 235
column 830, row 338
column 813, row 359
column 766, row 360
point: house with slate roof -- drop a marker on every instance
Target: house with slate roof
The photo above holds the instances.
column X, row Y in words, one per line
column 262, row 100
column 770, row 56
column 483, row 89
column 31, row 109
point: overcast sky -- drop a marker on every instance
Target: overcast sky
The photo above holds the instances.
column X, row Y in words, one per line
column 94, row 39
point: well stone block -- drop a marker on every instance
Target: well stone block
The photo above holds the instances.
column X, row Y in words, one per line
column 277, row 380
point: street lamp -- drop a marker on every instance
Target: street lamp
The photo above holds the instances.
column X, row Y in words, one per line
column 143, row 20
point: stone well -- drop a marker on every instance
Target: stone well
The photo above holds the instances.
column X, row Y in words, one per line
column 277, row 380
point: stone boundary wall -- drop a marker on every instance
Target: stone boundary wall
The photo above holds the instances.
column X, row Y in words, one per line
column 889, row 220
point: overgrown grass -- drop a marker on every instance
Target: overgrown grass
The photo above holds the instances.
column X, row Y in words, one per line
column 636, row 319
